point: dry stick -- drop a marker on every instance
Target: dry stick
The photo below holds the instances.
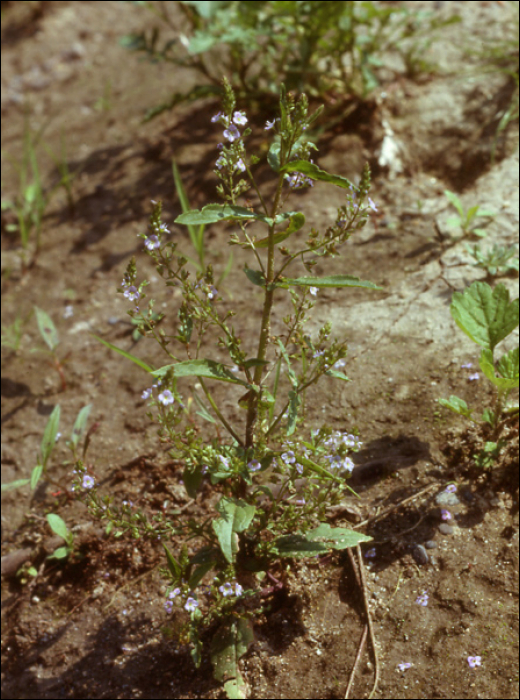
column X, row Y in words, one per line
column 358, row 656
column 369, row 620
column 395, row 506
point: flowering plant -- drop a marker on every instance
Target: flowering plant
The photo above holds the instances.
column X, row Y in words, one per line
column 275, row 483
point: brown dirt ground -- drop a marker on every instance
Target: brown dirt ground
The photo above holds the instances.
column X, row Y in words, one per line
column 96, row 627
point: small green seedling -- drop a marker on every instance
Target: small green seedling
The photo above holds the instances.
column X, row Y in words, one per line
column 50, row 335
column 487, row 317
column 496, row 261
column 466, row 219
column 49, row 439
column 12, row 334
column 59, row 527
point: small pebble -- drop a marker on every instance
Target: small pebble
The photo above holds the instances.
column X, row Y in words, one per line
column 468, row 496
column 112, row 320
column 446, row 499
column 445, row 529
column 420, row 554
column 430, row 544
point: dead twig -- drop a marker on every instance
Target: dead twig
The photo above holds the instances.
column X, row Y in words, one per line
column 358, row 656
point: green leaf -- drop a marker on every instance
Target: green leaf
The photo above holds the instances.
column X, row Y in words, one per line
column 315, row 173
column 273, row 156
column 128, row 356
column 294, row 404
column 334, row 281
column 296, row 221
column 203, row 412
column 456, row 203
column 207, row 369
column 36, row 475
column 508, row 367
column 58, row 525
column 212, row 213
column 229, row 644
column 298, row 546
column 255, row 276
column 337, row 537
column 456, row 405
column 487, row 366
column 236, row 517
column 200, row 572
column 79, row 425
column 337, row 375
column 60, row 553
column 49, row 435
column 173, row 566
column 15, row 484
column 485, row 315
column 192, row 477
column 47, row 329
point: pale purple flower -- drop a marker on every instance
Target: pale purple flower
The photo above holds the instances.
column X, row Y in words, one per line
column 404, row 666
column 240, row 118
column 173, row 594
column 166, row 397
column 269, row 125
column 370, row 553
column 254, row 465
column 339, row 364
column 224, row 461
column 238, row 589
column 313, row 291
column 58, row 435
column 220, row 146
column 146, row 393
column 152, row 242
column 88, row 482
column 371, row 204
column 232, row 133
column 318, row 353
column 213, row 292
column 451, row 488
column 298, row 180
column 240, row 165
column 221, row 161
column 299, row 468
column 132, row 293
column 474, row 661
column 467, row 365
column 348, row 464
column 445, row 514
column 226, row 589
column 300, row 502
column 216, row 117
column 163, row 228
column 288, row 457
column 68, row 311
column 191, row 604
column 422, row 599
column 474, row 377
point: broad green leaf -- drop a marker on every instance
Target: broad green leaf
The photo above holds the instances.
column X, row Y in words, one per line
column 15, row 484
column 485, row 315
column 128, row 356
column 487, row 366
column 47, row 328
column 49, row 435
column 315, row 173
column 212, row 213
column 207, row 369
column 296, row 221
column 456, row 405
column 236, row 517
column 337, row 537
column 334, row 281
column 173, row 565
column 273, row 156
column 298, row 546
column 79, row 425
column 58, row 525
column 60, row 553
column 255, row 276
column 229, row 644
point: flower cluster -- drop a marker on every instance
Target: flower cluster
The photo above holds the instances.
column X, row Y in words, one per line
column 231, row 158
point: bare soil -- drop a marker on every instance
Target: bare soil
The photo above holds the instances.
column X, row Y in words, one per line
column 95, row 627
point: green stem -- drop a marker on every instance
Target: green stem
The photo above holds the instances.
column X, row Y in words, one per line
column 219, row 414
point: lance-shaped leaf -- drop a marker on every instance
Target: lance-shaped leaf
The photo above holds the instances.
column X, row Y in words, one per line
column 206, row 369
column 334, row 281
column 296, row 221
column 485, row 315
column 49, row 435
column 318, row 541
column 47, row 328
column 230, row 642
column 128, row 356
column 315, row 173
column 236, row 517
column 213, row 213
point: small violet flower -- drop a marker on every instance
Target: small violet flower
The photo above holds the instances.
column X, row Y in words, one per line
column 166, row 397
column 152, row 242
column 254, row 465
column 474, row 377
column 422, row 599
column 68, row 311
column 191, row 604
column 451, row 488
column 313, row 291
column 216, row 117
column 445, row 514
column 146, row 393
column 232, row 133
column 370, row 553
column 213, row 292
column 88, row 482
column 371, row 204
column 221, row 161
column 404, row 666
column 269, row 125
column 288, row 457
column 240, row 165
column 474, row 661
column 240, row 118
column 132, row 293
column 226, row 589
column 467, row 365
